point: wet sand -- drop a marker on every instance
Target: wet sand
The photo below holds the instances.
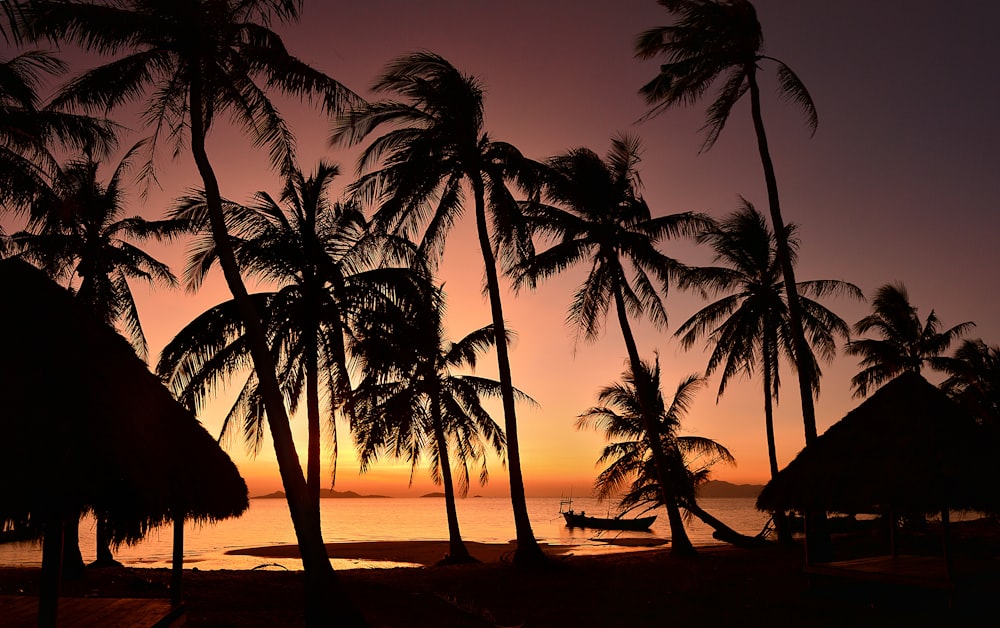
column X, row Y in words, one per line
column 424, row 553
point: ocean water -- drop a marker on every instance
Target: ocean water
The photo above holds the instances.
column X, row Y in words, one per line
column 483, row 519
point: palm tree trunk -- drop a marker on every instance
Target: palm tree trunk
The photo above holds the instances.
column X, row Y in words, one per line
column 313, row 448
column 457, row 552
column 528, row 551
column 680, row 544
column 780, row 520
column 722, row 531
column 818, row 547
column 72, row 560
column 325, row 601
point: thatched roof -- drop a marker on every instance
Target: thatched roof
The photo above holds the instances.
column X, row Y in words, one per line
column 85, row 425
column 907, row 447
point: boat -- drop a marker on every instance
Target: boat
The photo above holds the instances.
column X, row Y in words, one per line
column 583, row 520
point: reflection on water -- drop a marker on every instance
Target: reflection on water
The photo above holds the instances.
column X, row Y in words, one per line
column 483, row 519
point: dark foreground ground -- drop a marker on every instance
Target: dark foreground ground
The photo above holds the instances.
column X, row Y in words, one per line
column 718, row 587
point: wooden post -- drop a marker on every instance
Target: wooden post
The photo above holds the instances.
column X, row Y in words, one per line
column 177, row 566
column 52, row 555
column 946, row 542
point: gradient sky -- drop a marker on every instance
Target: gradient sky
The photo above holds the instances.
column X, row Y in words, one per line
column 898, row 184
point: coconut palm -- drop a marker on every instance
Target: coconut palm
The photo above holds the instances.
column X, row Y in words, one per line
column 748, row 328
column 435, row 146
column 592, row 211
column 324, row 265
column 631, row 469
column 904, row 343
column 412, row 401
column 974, row 380
column 721, row 40
column 82, row 238
column 198, row 60
column 29, row 130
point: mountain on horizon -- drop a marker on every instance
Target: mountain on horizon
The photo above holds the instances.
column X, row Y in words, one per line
column 719, row 488
column 324, row 493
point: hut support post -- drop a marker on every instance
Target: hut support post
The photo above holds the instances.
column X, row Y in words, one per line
column 946, row 542
column 52, row 554
column 177, row 565
column 892, row 533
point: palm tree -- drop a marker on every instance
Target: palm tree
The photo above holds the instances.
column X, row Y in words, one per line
column 974, row 380
column 435, row 146
column 28, row 130
column 411, row 400
column 749, row 327
column 325, row 265
column 81, row 234
column 197, row 60
column 713, row 40
column 631, row 465
column 904, row 343
column 596, row 214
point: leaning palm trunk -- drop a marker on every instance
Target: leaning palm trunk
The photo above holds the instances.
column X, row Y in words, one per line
column 680, row 543
column 528, row 550
column 817, row 543
column 325, row 601
column 722, row 531
column 780, row 520
column 457, row 552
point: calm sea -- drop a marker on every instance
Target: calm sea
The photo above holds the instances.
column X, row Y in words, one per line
column 484, row 519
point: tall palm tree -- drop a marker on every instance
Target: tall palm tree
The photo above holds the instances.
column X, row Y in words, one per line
column 974, row 380
column 721, row 40
column 748, row 328
column 411, row 400
column 82, row 238
column 436, row 144
column 904, row 343
column 197, row 60
column 324, row 264
column 592, row 211
column 632, row 470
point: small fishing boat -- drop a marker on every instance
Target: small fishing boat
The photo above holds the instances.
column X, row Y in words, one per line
column 582, row 520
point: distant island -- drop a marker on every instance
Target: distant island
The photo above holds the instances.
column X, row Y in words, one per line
column 433, row 495
column 718, row 488
column 324, row 493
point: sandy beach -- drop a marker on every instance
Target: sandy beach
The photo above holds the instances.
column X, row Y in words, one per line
column 720, row 586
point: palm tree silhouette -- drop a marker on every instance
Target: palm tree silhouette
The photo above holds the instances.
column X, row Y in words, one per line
column 748, row 328
column 326, row 267
column 903, row 343
column 28, row 130
column 974, row 380
column 632, row 470
column 411, row 400
column 436, row 144
column 596, row 214
column 713, row 40
column 198, row 60
column 81, row 238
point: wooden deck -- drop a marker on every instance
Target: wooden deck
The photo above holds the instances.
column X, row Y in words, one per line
column 18, row 611
column 907, row 570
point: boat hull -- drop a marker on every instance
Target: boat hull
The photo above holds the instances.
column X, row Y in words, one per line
column 577, row 520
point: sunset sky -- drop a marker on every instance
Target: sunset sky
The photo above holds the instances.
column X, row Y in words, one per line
column 900, row 182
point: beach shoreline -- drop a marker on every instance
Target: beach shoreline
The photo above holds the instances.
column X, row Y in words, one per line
column 721, row 585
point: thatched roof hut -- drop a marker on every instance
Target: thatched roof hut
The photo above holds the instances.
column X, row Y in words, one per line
column 906, row 449
column 85, row 425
